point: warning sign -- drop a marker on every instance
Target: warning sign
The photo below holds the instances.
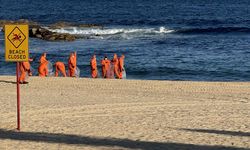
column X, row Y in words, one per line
column 16, row 42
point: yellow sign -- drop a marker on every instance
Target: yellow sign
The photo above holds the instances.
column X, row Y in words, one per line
column 16, row 42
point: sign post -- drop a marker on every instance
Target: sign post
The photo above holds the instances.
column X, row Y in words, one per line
column 18, row 95
column 16, row 50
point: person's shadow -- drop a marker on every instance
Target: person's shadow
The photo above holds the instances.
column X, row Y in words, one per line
column 104, row 142
column 4, row 81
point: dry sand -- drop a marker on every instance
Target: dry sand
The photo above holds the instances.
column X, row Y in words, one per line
column 69, row 113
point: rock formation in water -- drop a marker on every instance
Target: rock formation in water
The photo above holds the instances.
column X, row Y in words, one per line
column 38, row 31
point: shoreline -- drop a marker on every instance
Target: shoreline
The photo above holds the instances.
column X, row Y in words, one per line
column 132, row 79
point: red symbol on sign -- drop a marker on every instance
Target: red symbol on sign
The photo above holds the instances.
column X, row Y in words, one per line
column 16, row 37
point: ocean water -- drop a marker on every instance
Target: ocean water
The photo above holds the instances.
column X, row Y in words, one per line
column 206, row 40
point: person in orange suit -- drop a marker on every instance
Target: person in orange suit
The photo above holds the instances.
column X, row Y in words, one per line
column 23, row 68
column 115, row 62
column 60, row 67
column 72, row 65
column 105, row 67
column 93, row 64
column 43, row 58
column 43, row 70
column 121, row 65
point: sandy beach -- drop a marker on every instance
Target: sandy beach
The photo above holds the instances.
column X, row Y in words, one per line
column 70, row 113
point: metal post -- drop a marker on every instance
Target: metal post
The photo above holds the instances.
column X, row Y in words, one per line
column 18, row 96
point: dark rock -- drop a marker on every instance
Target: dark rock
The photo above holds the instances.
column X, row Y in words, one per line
column 45, row 34
column 51, row 38
column 69, row 37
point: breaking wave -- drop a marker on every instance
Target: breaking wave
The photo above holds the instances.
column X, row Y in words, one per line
column 93, row 32
column 129, row 33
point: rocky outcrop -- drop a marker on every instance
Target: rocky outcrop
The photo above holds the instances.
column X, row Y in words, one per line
column 37, row 31
column 45, row 34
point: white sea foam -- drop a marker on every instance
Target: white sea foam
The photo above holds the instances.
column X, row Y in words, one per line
column 112, row 31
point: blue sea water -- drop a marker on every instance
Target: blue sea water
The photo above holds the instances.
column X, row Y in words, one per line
column 206, row 40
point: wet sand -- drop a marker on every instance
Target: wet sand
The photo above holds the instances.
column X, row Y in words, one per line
column 69, row 113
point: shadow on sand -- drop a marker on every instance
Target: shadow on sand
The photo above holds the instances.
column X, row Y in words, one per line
column 4, row 81
column 106, row 142
column 231, row 133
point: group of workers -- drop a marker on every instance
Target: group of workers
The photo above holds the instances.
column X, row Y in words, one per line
column 110, row 68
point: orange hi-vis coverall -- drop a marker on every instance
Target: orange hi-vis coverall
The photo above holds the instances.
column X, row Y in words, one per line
column 60, row 67
column 105, row 67
column 121, row 65
column 115, row 62
column 72, row 64
column 43, row 69
column 43, row 58
column 24, row 67
column 93, row 64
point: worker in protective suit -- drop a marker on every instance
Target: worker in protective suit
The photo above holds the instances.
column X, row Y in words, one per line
column 121, row 65
column 43, row 69
column 93, row 65
column 72, row 64
column 105, row 67
column 115, row 63
column 23, row 68
column 43, row 58
column 60, row 68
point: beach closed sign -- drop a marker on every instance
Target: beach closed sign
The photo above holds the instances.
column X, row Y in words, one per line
column 16, row 43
